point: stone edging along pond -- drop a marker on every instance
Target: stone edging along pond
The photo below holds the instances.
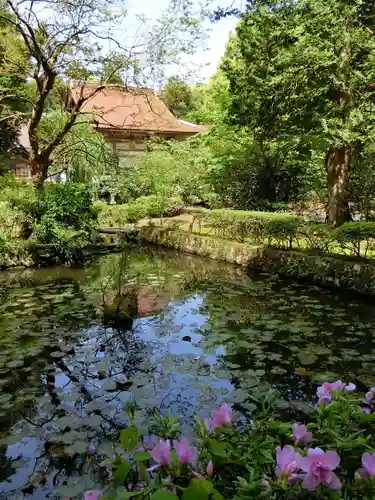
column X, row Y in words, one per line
column 336, row 272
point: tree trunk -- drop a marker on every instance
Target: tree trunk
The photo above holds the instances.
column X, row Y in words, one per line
column 38, row 174
column 337, row 165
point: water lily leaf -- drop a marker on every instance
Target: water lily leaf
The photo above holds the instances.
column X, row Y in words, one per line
column 80, row 447
column 93, row 420
column 57, row 354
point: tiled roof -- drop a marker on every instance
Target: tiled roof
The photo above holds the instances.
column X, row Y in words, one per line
column 133, row 109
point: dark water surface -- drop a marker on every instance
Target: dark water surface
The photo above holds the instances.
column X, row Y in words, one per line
column 166, row 330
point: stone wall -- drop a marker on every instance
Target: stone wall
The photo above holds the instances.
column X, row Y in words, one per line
column 214, row 248
column 334, row 272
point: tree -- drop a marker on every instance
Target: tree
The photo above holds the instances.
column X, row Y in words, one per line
column 64, row 39
column 12, row 83
column 177, row 96
column 306, row 69
column 83, row 153
column 210, row 102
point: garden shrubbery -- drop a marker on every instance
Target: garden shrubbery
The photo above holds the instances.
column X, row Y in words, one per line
column 145, row 206
column 63, row 219
column 328, row 453
column 273, row 228
column 66, row 221
column 14, row 252
column 283, row 230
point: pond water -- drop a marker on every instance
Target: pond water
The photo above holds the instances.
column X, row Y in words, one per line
column 166, row 330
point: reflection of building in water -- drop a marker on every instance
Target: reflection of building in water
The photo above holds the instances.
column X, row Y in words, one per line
column 138, row 301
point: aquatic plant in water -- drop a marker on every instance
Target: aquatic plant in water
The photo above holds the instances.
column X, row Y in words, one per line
column 330, row 456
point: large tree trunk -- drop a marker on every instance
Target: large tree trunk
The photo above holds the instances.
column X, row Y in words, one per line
column 337, row 165
column 38, row 174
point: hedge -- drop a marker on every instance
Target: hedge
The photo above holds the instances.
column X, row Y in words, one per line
column 275, row 229
column 282, row 230
column 145, row 206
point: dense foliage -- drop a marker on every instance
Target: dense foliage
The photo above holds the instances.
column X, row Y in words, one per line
column 145, row 206
column 286, row 231
column 64, row 219
column 331, row 457
column 304, row 69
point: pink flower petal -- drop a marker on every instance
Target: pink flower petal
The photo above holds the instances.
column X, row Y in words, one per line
column 331, row 459
column 92, row 495
column 362, row 474
column 304, row 463
column 315, row 452
column 222, row 417
column 186, row 454
column 294, row 478
column 210, row 469
column 368, row 462
column 335, row 482
column 301, row 434
column 161, row 452
column 310, row 482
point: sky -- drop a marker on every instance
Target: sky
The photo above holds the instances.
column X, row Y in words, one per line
column 215, row 45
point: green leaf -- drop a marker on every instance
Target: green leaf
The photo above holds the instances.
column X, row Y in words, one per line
column 121, row 474
column 129, row 438
column 203, row 484
column 164, row 495
column 142, row 456
column 219, row 448
column 130, row 494
column 195, row 493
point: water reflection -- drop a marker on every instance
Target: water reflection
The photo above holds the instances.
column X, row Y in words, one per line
column 164, row 330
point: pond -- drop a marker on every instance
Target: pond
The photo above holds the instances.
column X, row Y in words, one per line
column 166, row 330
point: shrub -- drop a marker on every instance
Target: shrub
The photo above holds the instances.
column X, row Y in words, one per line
column 19, row 194
column 170, row 168
column 318, row 237
column 13, row 252
column 13, row 221
column 329, row 456
column 69, row 205
column 277, row 229
column 356, row 237
column 66, row 244
column 66, row 220
column 112, row 215
column 145, row 206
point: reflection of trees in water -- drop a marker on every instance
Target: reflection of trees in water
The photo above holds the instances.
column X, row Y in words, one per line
column 77, row 398
column 91, row 388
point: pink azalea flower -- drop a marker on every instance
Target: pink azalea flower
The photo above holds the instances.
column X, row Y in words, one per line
column 222, row 417
column 161, row 452
column 319, row 466
column 368, row 470
column 351, row 387
column 92, row 495
column 286, row 459
column 326, row 391
column 186, row 454
column 301, row 434
column 210, row 469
